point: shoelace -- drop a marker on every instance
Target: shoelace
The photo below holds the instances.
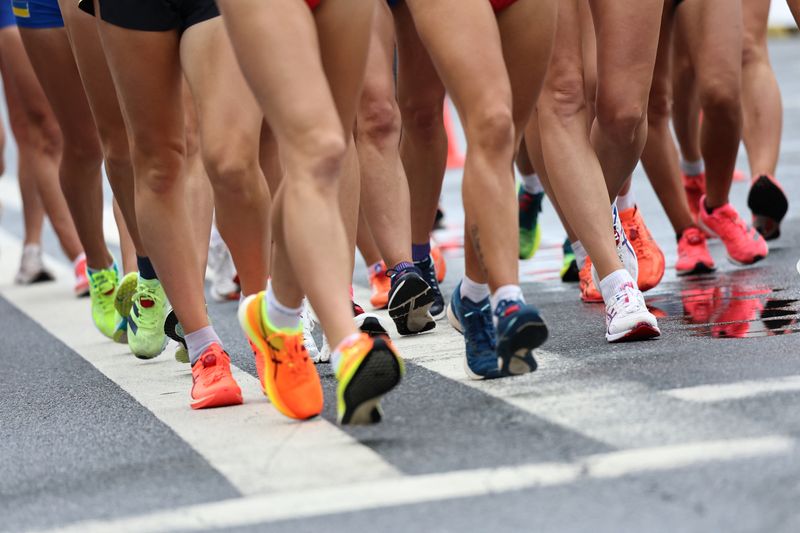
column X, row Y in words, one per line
column 628, row 300
column 102, row 283
column 147, row 318
column 479, row 330
column 293, row 355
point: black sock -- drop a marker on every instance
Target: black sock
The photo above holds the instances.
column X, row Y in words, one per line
column 146, row 270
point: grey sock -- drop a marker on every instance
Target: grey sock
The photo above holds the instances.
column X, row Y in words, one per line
column 198, row 341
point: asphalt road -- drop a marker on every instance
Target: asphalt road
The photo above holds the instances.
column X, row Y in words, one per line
column 697, row 431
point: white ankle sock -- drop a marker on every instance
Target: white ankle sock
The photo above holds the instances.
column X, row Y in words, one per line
column 613, row 283
column 474, row 291
column 580, row 253
column 198, row 341
column 506, row 292
column 531, row 183
column 279, row 315
column 692, row 168
column 626, row 201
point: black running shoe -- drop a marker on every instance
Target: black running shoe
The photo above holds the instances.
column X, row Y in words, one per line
column 428, row 271
column 410, row 301
column 769, row 205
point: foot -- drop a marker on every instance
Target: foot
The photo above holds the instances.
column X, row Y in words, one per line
column 368, row 323
column 380, row 284
column 695, row 188
column 31, row 267
column 520, row 330
column 589, row 291
column 744, row 244
column 474, row 321
column 410, row 301
column 212, row 382
column 649, row 257
column 81, row 277
column 428, row 271
column 102, row 291
column 148, row 313
column 570, row 273
column 627, row 317
column 625, row 251
column 693, row 254
column 769, row 205
column 123, row 298
column 369, row 368
column 530, row 233
column 286, row 371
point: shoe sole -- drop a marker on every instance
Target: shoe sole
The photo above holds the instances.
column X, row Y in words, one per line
column 171, row 324
column 221, row 398
column 123, row 300
column 409, row 307
column 379, row 372
column 769, row 205
column 640, row 332
column 453, row 320
column 370, row 324
column 699, row 268
column 515, row 351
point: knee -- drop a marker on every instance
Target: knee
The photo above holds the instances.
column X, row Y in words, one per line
column 233, row 170
column 491, row 129
column 158, row 167
column 620, row 117
column 378, row 121
column 659, row 109
column 721, row 97
column 315, row 159
column 563, row 94
column 754, row 50
column 42, row 133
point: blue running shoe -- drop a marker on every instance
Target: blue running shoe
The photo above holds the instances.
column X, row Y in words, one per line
column 426, row 267
column 474, row 321
column 520, row 329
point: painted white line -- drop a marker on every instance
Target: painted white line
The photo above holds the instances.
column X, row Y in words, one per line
column 10, row 197
column 436, row 487
column 253, row 446
column 736, row 391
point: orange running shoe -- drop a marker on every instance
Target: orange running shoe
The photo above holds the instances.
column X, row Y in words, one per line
column 439, row 264
column 381, row 284
column 695, row 187
column 212, row 382
column 81, row 277
column 650, row 257
column 369, row 368
column 693, row 254
column 286, row 371
column 744, row 244
column 589, row 293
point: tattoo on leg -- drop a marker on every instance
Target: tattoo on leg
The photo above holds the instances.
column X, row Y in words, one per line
column 476, row 242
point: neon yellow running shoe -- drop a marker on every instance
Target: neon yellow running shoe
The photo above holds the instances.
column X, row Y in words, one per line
column 102, row 287
column 530, row 231
column 123, row 299
column 146, row 337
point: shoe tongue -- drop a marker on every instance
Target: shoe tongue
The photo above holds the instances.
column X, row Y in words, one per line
column 146, row 303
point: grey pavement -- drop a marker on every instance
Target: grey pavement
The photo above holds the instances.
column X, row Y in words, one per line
column 75, row 446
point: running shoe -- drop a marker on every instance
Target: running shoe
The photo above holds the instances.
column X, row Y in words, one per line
column 701, row 304
column 369, row 323
column 224, row 285
column 627, row 317
column 438, row 263
column 695, row 188
column 474, row 321
column 693, row 254
column 380, row 284
column 438, row 221
column 146, row 337
column 123, row 298
column 212, row 382
column 743, row 243
column 736, row 319
column 769, row 205
column 589, row 291
column 121, row 331
column 410, row 301
column 649, row 257
column 426, row 268
column 520, row 330
column 31, row 267
column 369, row 368
column 570, row 273
column 81, row 277
column 286, row 371
column 310, row 326
column 530, row 233
column 102, row 290
column 625, row 251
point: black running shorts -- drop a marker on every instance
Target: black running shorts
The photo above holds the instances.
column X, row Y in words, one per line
column 153, row 15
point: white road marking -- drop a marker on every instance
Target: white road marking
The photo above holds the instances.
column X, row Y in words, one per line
column 736, row 391
column 257, row 449
column 436, row 487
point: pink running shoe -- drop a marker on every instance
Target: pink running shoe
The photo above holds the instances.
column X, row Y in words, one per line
column 81, row 278
column 693, row 254
column 744, row 244
column 695, row 188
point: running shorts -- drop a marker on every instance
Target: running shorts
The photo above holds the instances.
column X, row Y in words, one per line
column 500, row 5
column 153, row 15
column 6, row 15
column 37, row 14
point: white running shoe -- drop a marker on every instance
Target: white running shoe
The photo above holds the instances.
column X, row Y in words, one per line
column 311, row 325
column 31, row 267
column 625, row 250
column 223, row 273
column 627, row 317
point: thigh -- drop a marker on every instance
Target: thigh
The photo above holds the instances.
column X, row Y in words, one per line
column 463, row 39
column 379, row 82
column 627, row 41
column 755, row 16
